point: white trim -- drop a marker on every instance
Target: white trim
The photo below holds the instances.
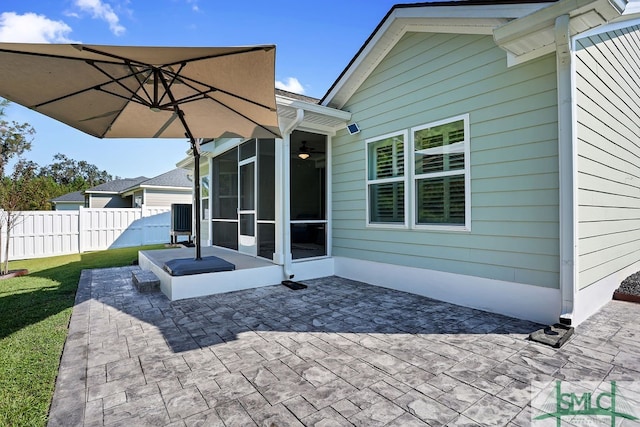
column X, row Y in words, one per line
column 210, row 222
column 517, row 300
column 286, row 196
column 595, row 296
column 404, row 178
column 513, row 59
column 617, row 25
column 329, row 194
column 466, row 171
column 313, row 108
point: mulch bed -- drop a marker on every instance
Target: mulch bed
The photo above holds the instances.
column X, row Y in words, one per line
column 14, row 273
column 629, row 289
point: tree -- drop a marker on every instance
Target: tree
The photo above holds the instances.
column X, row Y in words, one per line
column 15, row 138
column 15, row 194
column 76, row 175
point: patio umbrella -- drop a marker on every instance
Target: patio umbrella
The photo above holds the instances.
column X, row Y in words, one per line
column 147, row 92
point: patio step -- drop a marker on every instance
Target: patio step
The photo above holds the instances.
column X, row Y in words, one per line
column 145, row 280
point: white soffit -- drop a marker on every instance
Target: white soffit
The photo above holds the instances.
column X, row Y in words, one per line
column 316, row 117
column 461, row 19
column 534, row 35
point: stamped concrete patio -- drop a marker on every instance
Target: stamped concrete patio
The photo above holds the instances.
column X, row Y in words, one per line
column 337, row 353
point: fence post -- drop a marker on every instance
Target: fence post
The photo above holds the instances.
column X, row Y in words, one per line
column 143, row 234
column 81, row 243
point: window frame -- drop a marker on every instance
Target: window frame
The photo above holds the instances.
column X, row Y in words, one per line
column 466, row 227
column 403, row 179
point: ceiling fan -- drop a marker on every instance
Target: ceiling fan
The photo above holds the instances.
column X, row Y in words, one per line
column 305, row 152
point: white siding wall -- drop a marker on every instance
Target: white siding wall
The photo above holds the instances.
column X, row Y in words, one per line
column 514, row 164
column 167, row 197
column 608, row 133
column 109, row 201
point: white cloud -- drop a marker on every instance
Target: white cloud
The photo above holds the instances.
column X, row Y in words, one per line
column 100, row 10
column 32, row 28
column 194, row 5
column 292, row 85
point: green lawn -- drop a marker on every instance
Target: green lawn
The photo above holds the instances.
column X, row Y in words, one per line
column 34, row 318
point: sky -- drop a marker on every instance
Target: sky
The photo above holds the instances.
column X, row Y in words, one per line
column 315, row 40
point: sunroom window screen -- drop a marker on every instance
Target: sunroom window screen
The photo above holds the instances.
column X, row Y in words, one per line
column 439, row 154
column 386, row 180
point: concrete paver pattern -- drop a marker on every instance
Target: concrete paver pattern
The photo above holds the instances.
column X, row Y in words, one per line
column 338, row 353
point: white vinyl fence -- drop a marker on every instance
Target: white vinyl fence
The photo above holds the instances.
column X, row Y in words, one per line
column 40, row 234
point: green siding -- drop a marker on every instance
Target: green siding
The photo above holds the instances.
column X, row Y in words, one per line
column 608, row 114
column 514, row 164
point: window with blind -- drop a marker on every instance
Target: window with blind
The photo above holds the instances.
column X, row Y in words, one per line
column 440, row 174
column 386, row 179
column 422, row 182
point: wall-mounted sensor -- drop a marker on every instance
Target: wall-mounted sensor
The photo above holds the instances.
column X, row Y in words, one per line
column 353, row 128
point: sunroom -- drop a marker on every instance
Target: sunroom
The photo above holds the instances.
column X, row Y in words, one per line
column 267, row 199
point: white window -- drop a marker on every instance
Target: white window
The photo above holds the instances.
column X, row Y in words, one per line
column 436, row 164
column 386, row 179
column 440, row 189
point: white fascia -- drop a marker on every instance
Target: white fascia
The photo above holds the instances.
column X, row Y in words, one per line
column 475, row 19
column 312, row 108
column 164, row 187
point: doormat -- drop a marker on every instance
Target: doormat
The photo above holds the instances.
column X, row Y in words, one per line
column 296, row 286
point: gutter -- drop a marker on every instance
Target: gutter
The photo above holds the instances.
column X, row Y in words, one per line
column 286, row 199
column 567, row 159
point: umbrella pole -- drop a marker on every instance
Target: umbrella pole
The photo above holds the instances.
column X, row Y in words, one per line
column 195, row 147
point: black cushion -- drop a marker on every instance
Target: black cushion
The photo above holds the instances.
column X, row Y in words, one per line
column 187, row 266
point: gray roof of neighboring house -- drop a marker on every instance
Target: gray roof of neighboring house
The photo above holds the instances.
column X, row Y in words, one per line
column 74, row 197
column 117, row 185
column 174, row 178
column 297, row 96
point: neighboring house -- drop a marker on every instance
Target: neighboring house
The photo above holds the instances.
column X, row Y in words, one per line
column 163, row 190
column 110, row 194
column 171, row 187
column 68, row 202
column 494, row 163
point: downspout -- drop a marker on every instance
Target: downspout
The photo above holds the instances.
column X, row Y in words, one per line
column 567, row 165
column 286, row 199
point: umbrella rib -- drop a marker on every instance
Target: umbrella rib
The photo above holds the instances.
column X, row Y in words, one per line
column 174, row 77
column 87, row 89
column 244, row 116
column 119, row 83
column 247, row 49
column 136, row 99
column 211, row 89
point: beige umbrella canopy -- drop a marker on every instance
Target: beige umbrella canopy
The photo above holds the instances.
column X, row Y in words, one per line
column 147, row 92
